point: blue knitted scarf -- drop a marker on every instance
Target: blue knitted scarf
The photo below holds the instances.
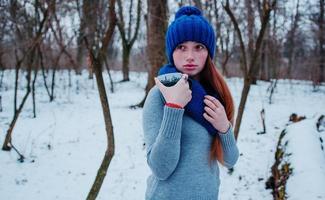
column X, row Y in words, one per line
column 195, row 108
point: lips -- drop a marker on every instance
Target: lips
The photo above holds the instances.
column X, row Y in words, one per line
column 190, row 67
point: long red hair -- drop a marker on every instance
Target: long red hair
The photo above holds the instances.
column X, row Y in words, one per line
column 212, row 78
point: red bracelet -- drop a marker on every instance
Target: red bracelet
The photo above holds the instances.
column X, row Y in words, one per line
column 173, row 105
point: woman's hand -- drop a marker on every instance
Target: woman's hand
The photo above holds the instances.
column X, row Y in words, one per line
column 179, row 94
column 215, row 114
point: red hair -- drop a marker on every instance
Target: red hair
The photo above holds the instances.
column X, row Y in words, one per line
column 212, row 78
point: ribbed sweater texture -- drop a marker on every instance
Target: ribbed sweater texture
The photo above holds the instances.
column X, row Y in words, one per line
column 178, row 150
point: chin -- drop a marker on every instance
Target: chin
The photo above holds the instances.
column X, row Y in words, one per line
column 191, row 73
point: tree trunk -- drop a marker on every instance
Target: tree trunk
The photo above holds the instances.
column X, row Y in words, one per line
column 1, row 104
column 156, row 29
column 109, row 130
column 225, row 53
column 53, row 84
column 250, row 27
column 126, row 60
column 33, row 92
column 198, row 4
column 321, row 22
column 262, row 63
column 109, row 74
column 97, row 62
column 292, row 41
column 241, row 107
column 41, row 28
column 16, row 85
column 81, row 35
column 218, row 27
column 70, row 82
column 224, row 64
column 127, row 41
column 265, row 59
column 7, row 143
column 275, row 49
column 251, row 71
column 1, row 77
column 43, row 73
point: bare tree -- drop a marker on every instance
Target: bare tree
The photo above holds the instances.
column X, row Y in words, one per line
column 223, row 30
column 127, row 40
column 321, row 40
column 250, row 69
column 250, row 28
column 292, row 39
column 97, row 43
column 28, row 55
column 3, row 25
column 198, row 4
column 33, row 85
column 270, row 50
column 81, row 33
column 156, row 30
column 62, row 41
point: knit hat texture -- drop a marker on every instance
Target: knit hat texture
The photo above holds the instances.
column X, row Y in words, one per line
column 189, row 25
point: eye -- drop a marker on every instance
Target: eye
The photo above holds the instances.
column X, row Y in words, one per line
column 181, row 47
column 200, row 47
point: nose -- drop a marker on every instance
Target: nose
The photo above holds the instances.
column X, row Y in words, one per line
column 189, row 56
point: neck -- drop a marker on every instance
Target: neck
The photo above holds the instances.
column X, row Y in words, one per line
column 197, row 77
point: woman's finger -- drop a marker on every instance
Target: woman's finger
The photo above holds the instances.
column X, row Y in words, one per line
column 159, row 84
column 208, row 118
column 182, row 80
column 210, row 104
column 215, row 101
column 209, row 111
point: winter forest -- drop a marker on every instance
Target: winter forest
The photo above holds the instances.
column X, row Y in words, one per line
column 74, row 76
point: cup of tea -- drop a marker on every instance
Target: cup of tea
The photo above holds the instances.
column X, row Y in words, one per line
column 170, row 79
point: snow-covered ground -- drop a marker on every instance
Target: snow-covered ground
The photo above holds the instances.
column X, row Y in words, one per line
column 65, row 143
column 307, row 160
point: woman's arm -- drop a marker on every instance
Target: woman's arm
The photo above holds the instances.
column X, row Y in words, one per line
column 215, row 114
column 229, row 148
column 162, row 133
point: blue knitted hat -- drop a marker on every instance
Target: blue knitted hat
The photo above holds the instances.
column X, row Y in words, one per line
column 189, row 25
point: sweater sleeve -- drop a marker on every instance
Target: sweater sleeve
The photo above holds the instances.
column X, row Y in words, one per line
column 229, row 148
column 162, row 133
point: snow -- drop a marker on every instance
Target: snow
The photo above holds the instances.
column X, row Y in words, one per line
column 307, row 160
column 64, row 145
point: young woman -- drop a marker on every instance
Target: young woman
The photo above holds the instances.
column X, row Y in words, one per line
column 188, row 127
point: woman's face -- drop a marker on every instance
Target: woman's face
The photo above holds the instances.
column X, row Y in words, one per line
column 190, row 57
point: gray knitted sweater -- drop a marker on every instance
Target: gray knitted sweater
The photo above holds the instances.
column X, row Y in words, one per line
column 178, row 150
